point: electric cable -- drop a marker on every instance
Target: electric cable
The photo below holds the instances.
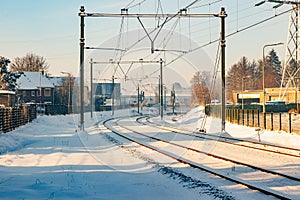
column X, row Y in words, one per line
column 229, row 35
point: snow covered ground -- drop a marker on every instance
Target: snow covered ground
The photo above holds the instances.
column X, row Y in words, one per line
column 50, row 159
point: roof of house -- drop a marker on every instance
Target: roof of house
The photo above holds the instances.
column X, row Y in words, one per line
column 57, row 81
column 33, row 80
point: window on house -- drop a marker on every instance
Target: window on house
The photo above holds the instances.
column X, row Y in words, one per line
column 47, row 92
column 39, row 93
column 33, row 93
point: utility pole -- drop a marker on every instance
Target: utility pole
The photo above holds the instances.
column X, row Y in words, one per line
column 138, row 98
column 223, row 45
column 91, row 100
column 69, row 95
column 173, row 98
column 82, row 15
column 113, row 96
column 161, row 90
column 158, row 93
column 165, row 96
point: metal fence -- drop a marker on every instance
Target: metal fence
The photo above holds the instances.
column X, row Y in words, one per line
column 254, row 118
column 13, row 117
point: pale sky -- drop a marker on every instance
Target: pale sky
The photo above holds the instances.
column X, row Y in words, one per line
column 51, row 28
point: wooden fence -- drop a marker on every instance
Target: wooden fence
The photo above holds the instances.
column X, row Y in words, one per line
column 13, row 117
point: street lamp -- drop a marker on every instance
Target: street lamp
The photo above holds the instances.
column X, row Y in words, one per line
column 69, row 85
column 91, row 94
column 263, row 72
column 243, row 88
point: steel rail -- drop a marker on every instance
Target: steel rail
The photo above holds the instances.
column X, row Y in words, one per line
column 185, row 161
column 203, row 136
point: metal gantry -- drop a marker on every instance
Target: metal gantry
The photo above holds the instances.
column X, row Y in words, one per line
column 124, row 13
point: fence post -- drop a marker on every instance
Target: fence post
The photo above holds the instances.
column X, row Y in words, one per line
column 290, row 122
column 280, row 126
column 272, row 124
column 238, row 116
column 13, row 118
column 226, row 115
column 23, row 115
column 20, row 116
column 243, row 117
column 247, row 117
column 258, row 118
column 252, row 118
column 6, row 121
column 265, row 122
column 2, row 119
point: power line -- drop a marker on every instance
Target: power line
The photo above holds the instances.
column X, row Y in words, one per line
column 258, row 23
column 229, row 35
column 168, row 18
column 204, row 5
column 137, row 4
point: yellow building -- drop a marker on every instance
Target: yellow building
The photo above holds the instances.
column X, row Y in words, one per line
column 290, row 95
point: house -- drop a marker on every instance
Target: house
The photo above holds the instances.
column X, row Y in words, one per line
column 35, row 87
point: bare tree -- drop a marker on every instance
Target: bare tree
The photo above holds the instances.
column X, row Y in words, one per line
column 200, row 91
column 239, row 73
column 31, row 63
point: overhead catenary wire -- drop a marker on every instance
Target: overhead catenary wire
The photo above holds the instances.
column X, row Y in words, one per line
column 132, row 6
column 212, row 85
column 129, row 3
column 166, row 21
column 165, row 41
column 172, row 30
column 237, row 15
column 194, row 2
column 211, row 42
column 159, row 9
column 240, row 17
column 228, row 35
column 215, row 73
column 118, row 44
column 203, row 5
column 157, row 28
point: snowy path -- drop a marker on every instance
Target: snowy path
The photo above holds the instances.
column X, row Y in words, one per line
column 57, row 165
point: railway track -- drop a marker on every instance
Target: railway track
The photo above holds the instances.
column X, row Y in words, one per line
column 277, row 149
column 229, row 169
